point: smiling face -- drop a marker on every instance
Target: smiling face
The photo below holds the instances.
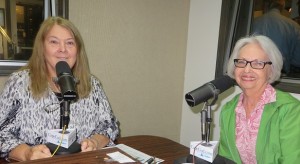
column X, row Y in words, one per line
column 59, row 44
column 249, row 79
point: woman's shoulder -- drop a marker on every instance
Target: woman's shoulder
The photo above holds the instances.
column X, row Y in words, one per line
column 233, row 101
column 285, row 97
column 20, row 75
column 286, row 104
column 17, row 81
column 95, row 80
column 230, row 105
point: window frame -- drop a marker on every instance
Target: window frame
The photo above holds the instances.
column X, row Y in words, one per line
column 50, row 6
column 235, row 22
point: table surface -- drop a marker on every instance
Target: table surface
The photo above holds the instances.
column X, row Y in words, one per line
column 159, row 147
column 162, row 148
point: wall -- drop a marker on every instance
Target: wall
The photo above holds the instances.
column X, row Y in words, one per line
column 2, row 81
column 202, row 47
column 137, row 48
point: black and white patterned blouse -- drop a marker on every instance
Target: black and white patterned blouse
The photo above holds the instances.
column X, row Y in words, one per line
column 26, row 120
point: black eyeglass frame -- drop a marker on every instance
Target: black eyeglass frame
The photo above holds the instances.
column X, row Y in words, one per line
column 265, row 63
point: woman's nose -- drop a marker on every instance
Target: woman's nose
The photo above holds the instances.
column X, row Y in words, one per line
column 248, row 68
column 62, row 47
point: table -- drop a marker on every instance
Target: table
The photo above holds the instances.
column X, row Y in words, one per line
column 160, row 147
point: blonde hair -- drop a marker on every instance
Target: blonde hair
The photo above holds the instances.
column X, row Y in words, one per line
column 37, row 64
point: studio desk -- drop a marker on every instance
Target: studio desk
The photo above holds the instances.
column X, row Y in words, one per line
column 159, row 147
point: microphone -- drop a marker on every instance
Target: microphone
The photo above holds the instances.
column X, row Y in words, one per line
column 209, row 90
column 66, row 81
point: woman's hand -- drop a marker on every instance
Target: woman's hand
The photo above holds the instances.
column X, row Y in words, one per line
column 89, row 145
column 24, row 152
column 38, row 152
column 94, row 143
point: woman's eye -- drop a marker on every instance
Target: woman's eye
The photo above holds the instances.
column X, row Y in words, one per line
column 259, row 63
column 53, row 42
column 71, row 43
column 241, row 62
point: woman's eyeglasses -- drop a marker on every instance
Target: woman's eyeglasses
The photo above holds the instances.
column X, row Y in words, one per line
column 242, row 63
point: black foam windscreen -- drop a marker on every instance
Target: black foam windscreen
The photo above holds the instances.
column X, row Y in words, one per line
column 223, row 83
column 66, row 81
column 209, row 90
column 62, row 67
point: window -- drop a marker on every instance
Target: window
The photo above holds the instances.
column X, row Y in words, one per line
column 21, row 21
column 235, row 22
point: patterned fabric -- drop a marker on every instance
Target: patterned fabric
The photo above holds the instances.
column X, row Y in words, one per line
column 247, row 129
column 26, row 120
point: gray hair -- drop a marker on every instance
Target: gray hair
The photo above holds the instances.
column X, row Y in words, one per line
column 267, row 45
